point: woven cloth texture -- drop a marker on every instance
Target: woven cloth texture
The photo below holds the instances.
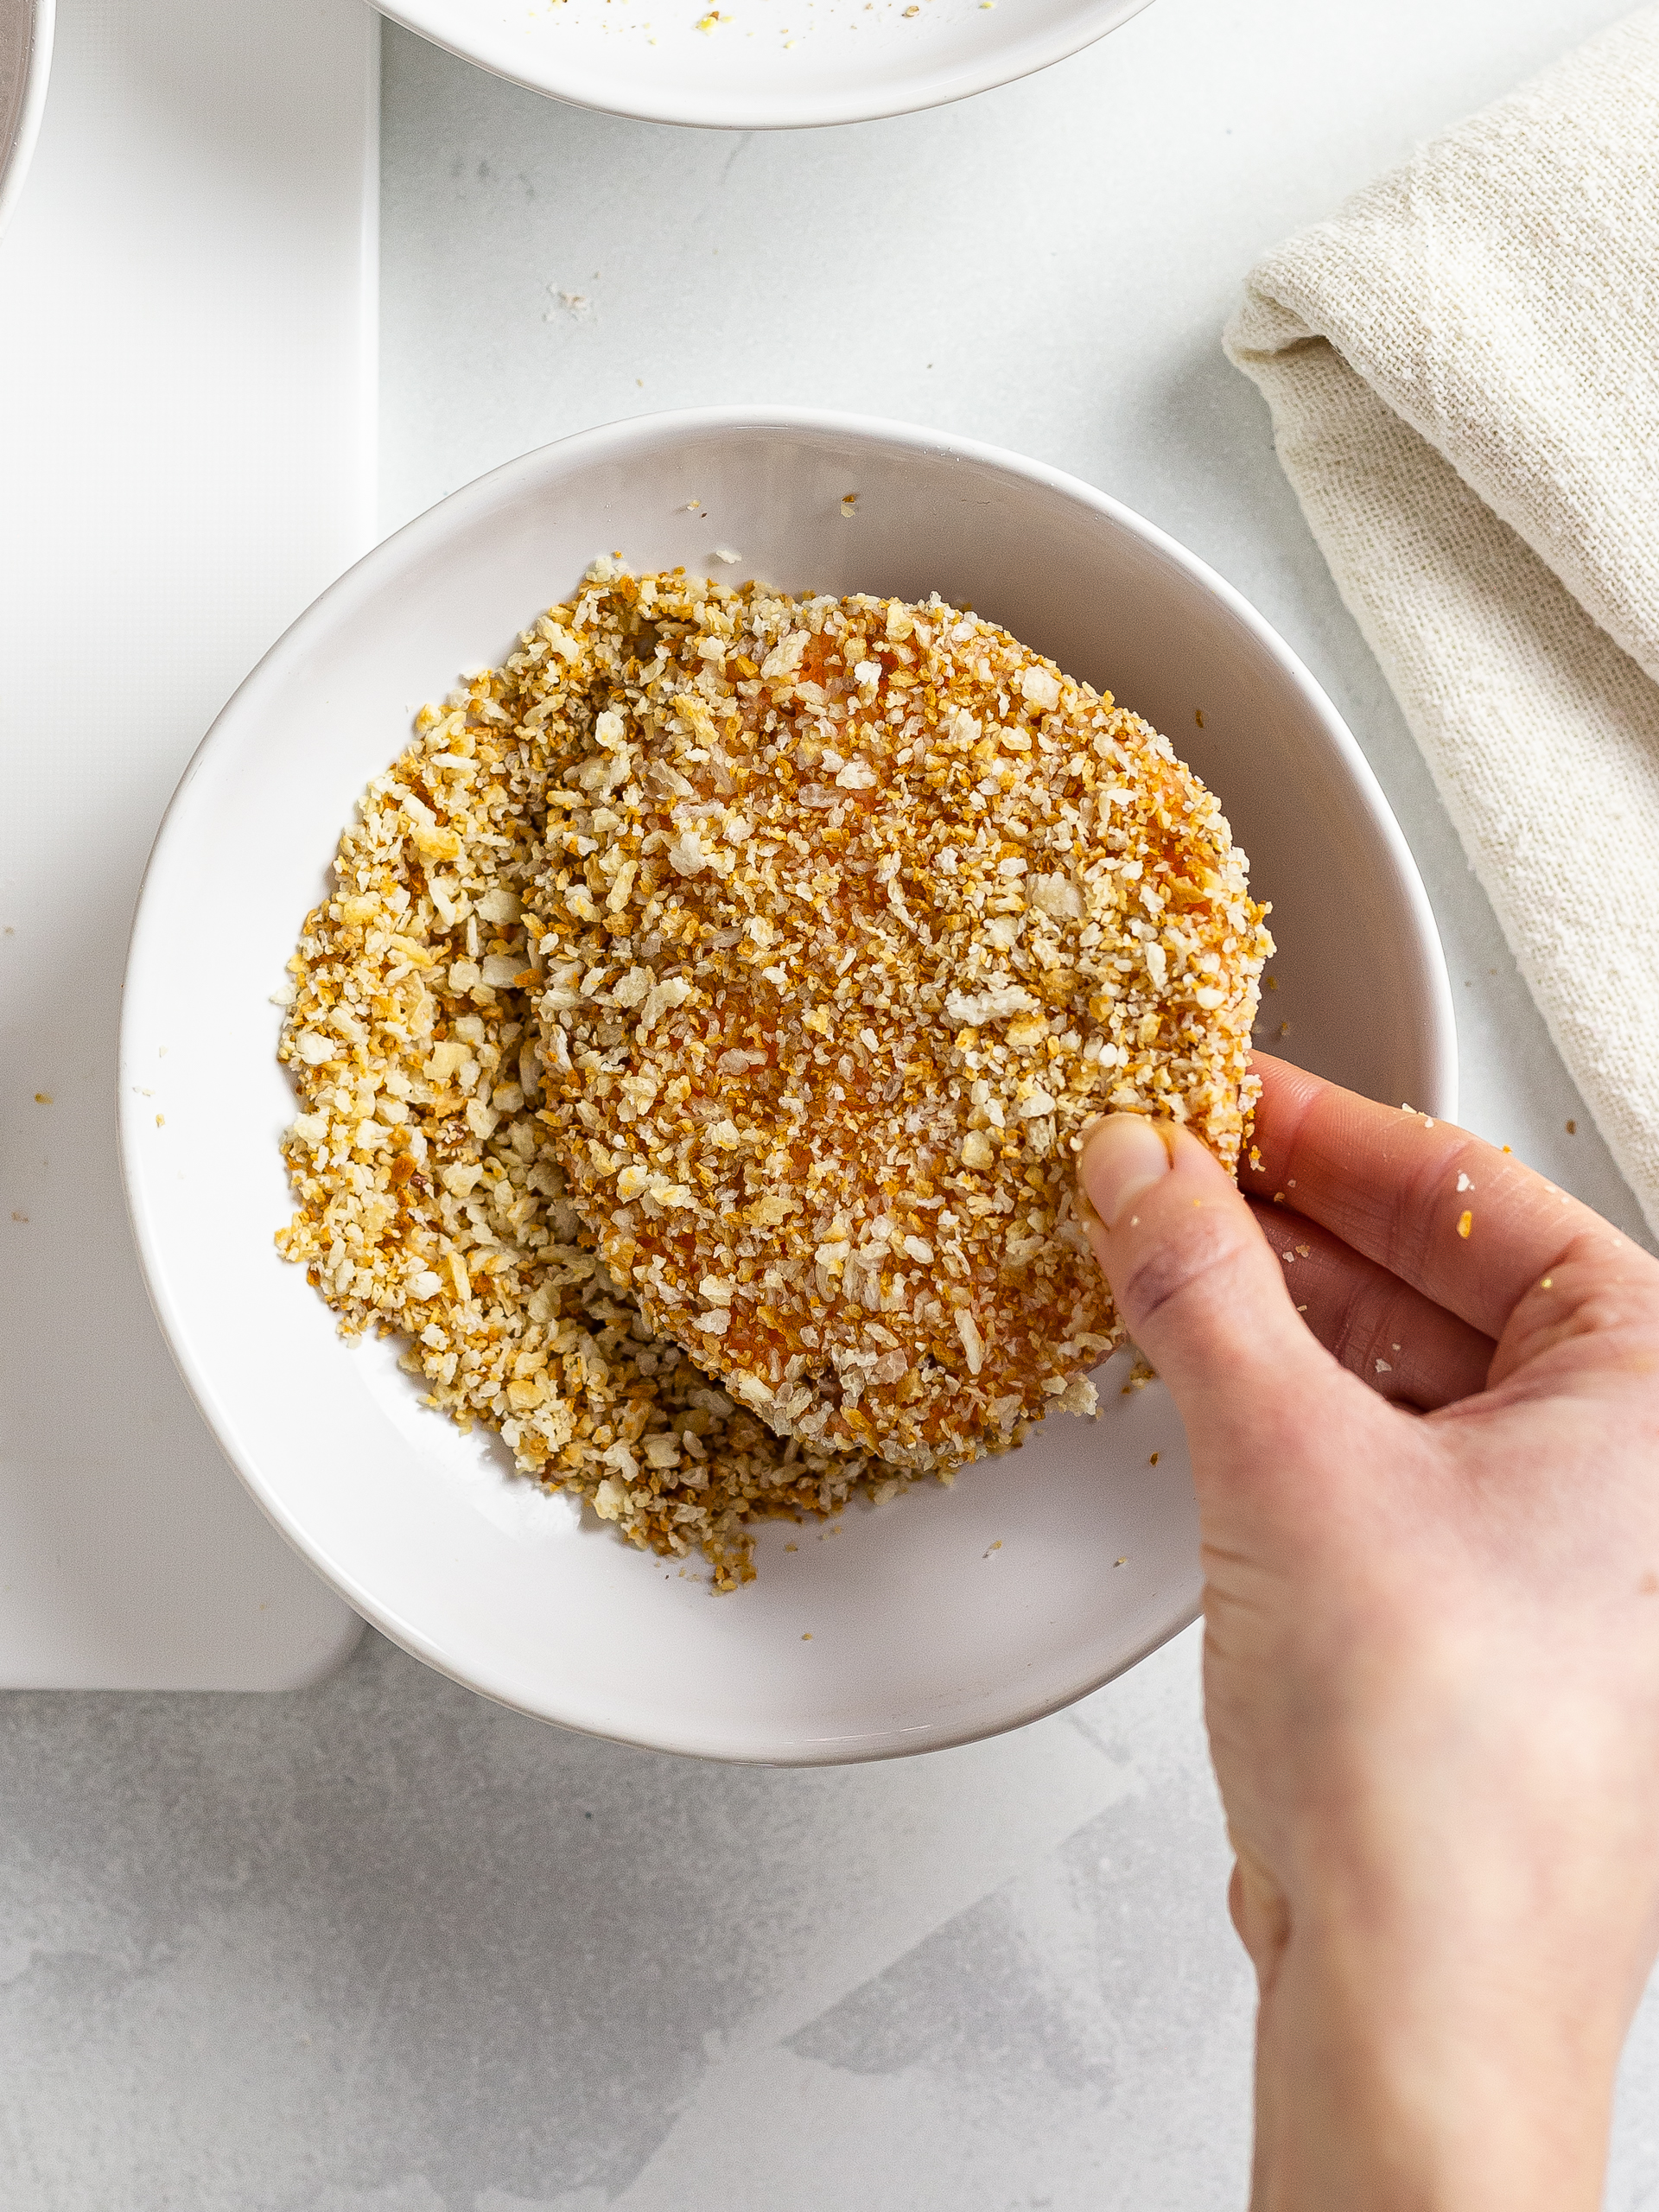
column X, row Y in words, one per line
column 1463, row 371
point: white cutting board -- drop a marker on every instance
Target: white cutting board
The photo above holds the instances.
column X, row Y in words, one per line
column 187, row 363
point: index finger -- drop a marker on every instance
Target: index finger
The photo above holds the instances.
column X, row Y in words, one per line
column 1463, row 1223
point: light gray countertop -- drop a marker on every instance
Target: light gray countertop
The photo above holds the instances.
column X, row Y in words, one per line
column 380, row 1947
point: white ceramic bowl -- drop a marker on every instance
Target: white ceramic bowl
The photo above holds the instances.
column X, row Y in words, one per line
column 762, row 65
column 25, row 65
column 948, row 1614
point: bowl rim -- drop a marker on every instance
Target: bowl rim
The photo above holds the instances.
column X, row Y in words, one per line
column 442, row 23
column 19, row 152
column 498, row 1678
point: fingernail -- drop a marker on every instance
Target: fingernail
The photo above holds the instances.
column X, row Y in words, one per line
column 1124, row 1156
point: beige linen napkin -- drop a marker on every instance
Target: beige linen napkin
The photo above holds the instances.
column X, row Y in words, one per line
column 1463, row 369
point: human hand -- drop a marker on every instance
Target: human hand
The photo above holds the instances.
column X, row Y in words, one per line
column 1431, row 1637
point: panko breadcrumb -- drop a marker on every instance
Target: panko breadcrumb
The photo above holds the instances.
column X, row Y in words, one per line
column 746, row 1036
column 431, row 1202
column 853, row 912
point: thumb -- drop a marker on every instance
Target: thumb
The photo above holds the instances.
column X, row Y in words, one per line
column 1194, row 1279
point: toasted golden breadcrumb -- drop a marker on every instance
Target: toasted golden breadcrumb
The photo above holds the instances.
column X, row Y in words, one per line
column 852, row 913
column 833, row 922
column 431, row 1202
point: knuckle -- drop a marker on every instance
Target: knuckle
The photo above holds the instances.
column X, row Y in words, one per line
column 1206, row 1252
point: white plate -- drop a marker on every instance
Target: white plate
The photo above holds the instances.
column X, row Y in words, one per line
column 25, row 65
column 948, row 1614
column 762, row 65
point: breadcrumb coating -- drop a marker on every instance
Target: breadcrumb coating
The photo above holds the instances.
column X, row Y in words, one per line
column 738, row 973
column 853, row 914
column 430, row 1200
